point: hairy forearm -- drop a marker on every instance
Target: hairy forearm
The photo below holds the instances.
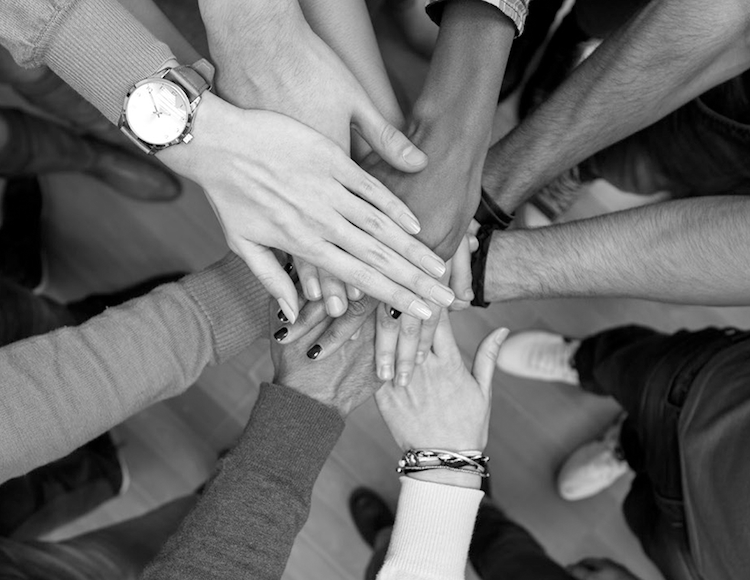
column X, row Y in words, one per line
column 671, row 52
column 346, row 27
column 687, row 251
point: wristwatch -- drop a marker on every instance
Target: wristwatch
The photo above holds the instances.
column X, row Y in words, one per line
column 159, row 111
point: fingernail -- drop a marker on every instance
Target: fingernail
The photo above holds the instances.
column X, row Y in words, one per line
column 314, row 352
column 356, row 335
column 287, row 311
column 468, row 295
column 502, row 335
column 281, row 316
column 403, row 380
column 433, row 266
column 354, row 293
column 281, row 334
column 335, row 306
column 409, row 224
column 442, row 295
column 393, row 313
column 313, row 289
column 413, row 156
column 419, row 309
column 419, row 358
column 288, row 268
column 386, row 372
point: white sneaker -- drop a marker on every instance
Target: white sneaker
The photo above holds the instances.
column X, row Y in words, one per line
column 540, row 355
column 593, row 467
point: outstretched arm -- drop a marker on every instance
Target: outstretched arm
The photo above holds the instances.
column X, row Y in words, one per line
column 669, row 53
column 688, row 251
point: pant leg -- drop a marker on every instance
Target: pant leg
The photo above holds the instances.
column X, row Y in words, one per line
column 23, row 314
column 59, row 492
column 380, row 551
column 503, row 550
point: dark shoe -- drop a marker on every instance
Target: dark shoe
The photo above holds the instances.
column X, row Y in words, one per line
column 134, row 175
column 370, row 514
column 21, row 258
column 98, row 303
column 38, row 146
column 62, row 491
column 562, row 54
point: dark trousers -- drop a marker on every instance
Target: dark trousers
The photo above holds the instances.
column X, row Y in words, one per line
column 57, row 493
column 650, row 375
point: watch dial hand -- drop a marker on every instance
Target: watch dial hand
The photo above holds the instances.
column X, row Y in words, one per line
column 156, row 109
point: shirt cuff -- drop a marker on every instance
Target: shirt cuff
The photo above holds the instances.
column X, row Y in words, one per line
column 516, row 10
column 432, row 533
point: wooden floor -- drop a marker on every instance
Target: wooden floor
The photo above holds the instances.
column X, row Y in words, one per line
column 96, row 241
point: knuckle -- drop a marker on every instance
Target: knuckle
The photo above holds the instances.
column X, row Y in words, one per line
column 362, row 278
column 387, row 323
column 358, row 308
column 378, row 257
column 388, row 135
column 373, row 222
column 411, row 329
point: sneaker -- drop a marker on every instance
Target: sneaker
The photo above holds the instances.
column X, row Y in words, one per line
column 594, row 466
column 370, row 514
column 539, row 355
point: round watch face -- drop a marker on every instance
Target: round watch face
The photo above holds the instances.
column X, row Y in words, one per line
column 157, row 111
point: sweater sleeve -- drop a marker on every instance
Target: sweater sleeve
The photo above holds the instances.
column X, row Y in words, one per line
column 432, row 533
column 247, row 520
column 96, row 46
column 62, row 389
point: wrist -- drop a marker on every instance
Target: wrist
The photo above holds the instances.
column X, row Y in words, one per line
column 512, row 266
column 447, row 477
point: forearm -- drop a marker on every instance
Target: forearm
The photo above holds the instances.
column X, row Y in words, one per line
column 671, row 52
column 346, row 27
column 66, row 387
column 687, row 251
column 248, row 518
column 433, row 528
column 96, row 46
column 452, row 118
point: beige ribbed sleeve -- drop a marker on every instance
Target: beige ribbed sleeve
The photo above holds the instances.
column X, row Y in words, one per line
column 96, row 46
column 64, row 388
column 432, row 533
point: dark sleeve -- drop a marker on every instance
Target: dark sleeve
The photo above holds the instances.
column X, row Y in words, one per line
column 247, row 520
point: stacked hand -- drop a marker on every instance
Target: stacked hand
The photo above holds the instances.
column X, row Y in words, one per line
column 445, row 406
column 269, row 58
column 344, row 381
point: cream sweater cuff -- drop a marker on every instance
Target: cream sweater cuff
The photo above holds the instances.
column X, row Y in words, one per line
column 432, row 533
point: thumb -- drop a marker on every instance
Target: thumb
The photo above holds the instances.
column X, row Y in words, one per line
column 269, row 272
column 387, row 141
column 485, row 359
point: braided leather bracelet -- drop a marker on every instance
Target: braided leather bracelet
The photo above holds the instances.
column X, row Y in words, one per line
column 472, row 462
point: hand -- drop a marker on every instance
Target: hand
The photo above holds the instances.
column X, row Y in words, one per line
column 445, row 406
column 344, row 381
column 600, row 569
column 446, row 194
column 275, row 183
column 402, row 341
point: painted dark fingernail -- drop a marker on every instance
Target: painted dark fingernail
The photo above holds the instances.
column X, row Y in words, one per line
column 281, row 334
column 288, row 268
column 393, row 313
column 281, row 316
column 314, row 352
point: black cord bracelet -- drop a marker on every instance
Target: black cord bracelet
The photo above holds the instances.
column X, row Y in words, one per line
column 489, row 212
column 479, row 264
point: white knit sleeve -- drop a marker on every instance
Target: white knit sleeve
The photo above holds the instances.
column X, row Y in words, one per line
column 433, row 528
